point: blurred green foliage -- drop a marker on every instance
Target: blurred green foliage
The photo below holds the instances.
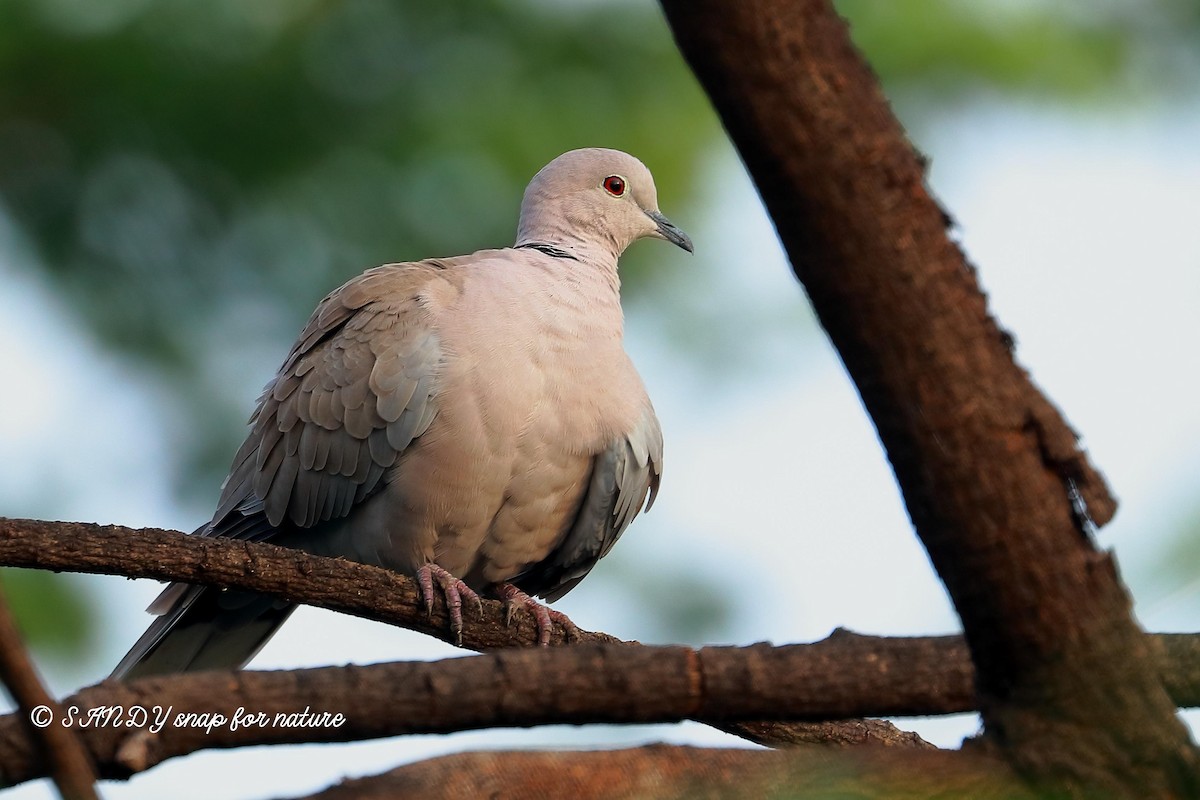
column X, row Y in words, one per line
column 197, row 175
column 194, row 176
column 1102, row 51
column 51, row 611
column 1032, row 48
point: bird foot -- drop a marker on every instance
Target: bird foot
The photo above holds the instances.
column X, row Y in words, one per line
column 546, row 617
column 452, row 589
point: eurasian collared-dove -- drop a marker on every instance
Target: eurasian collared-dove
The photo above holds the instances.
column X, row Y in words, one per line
column 472, row 421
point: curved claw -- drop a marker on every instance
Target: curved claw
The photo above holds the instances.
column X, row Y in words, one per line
column 546, row 617
column 452, row 589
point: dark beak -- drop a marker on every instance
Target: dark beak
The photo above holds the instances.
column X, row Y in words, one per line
column 668, row 231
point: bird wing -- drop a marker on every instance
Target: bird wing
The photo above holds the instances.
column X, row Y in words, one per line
column 356, row 389
column 625, row 477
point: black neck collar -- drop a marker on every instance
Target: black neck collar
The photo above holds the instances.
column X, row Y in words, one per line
column 548, row 249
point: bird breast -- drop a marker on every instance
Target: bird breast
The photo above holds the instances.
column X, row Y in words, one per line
column 534, row 382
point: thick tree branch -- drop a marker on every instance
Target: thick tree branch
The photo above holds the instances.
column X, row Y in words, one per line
column 67, row 761
column 589, row 683
column 1069, row 684
column 687, row 773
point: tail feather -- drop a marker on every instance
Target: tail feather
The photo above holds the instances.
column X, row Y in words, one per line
column 203, row 628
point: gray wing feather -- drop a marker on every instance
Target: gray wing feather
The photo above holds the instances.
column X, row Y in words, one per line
column 357, row 387
column 354, row 392
column 625, row 477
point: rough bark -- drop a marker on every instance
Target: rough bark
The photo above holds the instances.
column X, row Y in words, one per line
column 687, row 773
column 582, row 684
column 1069, row 685
column 828, row 733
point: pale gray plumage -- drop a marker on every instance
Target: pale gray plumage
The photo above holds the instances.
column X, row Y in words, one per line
column 477, row 415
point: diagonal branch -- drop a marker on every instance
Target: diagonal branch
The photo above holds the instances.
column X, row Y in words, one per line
column 67, row 761
column 988, row 467
column 340, row 585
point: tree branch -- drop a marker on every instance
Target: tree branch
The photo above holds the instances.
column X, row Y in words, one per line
column 349, row 587
column 335, row 584
column 346, row 586
column 60, row 748
column 828, row 733
column 670, row 772
column 385, row 596
column 589, row 683
column 1068, row 682
column 847, row 675
column 928, row 675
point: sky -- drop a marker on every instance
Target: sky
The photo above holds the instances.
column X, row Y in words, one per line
column 1084, row 230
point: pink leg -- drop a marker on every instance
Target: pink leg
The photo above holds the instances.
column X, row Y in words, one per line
column 452, row 589
column 546, row 617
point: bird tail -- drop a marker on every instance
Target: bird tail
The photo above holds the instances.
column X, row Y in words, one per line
column 201, row 628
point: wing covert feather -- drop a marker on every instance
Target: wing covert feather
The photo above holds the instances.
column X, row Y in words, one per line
column 358, row 386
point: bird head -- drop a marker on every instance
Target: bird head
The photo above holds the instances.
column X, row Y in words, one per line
column 594, row 198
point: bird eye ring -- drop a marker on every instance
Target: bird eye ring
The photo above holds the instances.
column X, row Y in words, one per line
column 614, row 185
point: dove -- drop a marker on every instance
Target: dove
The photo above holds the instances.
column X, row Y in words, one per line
column 473, row 422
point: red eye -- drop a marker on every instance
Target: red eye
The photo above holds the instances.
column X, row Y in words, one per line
column 614, row 185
